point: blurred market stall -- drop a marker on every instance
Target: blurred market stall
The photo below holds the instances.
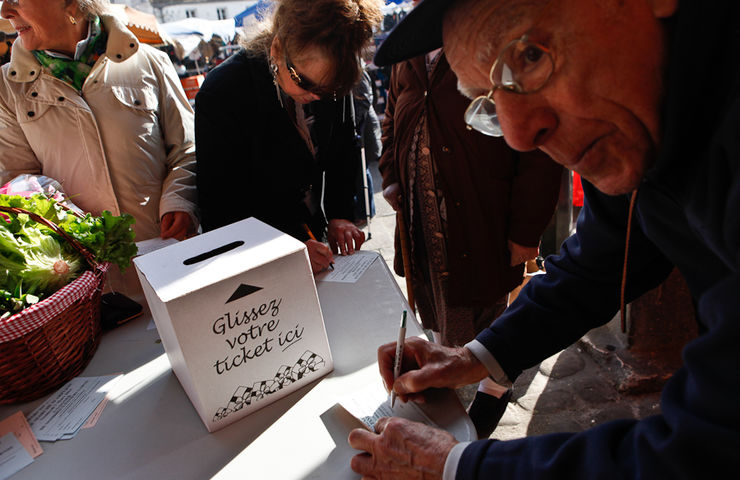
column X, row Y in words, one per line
column 143, row 25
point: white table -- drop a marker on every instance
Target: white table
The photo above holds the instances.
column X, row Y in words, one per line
column 152, row 431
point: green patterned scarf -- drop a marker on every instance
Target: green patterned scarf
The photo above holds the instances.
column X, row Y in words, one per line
column 71, row 71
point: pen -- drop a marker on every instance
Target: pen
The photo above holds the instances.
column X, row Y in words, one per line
column 311, row 236
column 399, row 354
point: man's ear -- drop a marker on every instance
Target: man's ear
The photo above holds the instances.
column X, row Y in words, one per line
column 663, row 8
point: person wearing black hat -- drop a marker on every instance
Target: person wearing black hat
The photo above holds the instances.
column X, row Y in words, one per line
column 611, row 90
column 475, row 211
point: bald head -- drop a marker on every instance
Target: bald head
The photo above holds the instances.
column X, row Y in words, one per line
column 486, row 25
column 599, row 111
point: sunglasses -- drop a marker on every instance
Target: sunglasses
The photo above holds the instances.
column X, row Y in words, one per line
column 306, row 84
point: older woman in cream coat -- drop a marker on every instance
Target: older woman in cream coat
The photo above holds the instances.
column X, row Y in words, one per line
column 84, row 103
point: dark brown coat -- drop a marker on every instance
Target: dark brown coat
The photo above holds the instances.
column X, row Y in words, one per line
column 492, row 192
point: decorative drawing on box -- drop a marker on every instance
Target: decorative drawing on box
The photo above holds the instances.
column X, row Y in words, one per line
column 244, row 396
column 242, row 291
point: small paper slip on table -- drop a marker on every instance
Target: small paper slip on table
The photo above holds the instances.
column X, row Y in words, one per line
column 150, row 429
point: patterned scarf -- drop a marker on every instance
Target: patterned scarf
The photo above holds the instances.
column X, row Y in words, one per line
column 75, row 71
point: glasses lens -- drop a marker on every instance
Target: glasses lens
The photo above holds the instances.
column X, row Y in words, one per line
column 523, row 67
column 481, row 115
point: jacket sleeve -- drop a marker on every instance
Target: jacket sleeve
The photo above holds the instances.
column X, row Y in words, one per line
column 224, row 136
column 695, row 436
column 581, row 288
column 16, row 155
column 580, row 291
column 535, row 190
column 387, row 163
column 176, row 120
column 342, row 164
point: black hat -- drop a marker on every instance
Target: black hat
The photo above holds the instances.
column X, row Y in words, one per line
column 419, row 32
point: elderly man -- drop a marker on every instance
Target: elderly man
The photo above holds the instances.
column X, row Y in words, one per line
column 642, row 98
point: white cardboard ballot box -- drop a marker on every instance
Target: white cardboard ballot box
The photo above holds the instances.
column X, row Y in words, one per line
column 238, row 314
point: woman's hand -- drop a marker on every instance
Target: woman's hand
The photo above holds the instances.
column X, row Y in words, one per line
column 320, row 255
column 175, row 225
column 344, row 236
column 392, row 195
column 521, row 254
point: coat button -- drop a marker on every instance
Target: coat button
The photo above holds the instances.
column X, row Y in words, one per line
column 137, row 102
column 425, row 150
column 31, row 114
column 61, row 99
column 118, row 55
column 34, row 94
column 13, row 73
column 458, row 204
column 446, row 149
column 131, row 45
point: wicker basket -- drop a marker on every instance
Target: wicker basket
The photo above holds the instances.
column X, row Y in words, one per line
column 47, row 344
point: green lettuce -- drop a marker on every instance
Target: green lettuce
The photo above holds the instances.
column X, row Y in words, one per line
column 36, row 261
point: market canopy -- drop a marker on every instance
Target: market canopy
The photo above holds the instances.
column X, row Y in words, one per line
column 392, row 6
column 252, row 14
column 187, row 34
column 143, row 25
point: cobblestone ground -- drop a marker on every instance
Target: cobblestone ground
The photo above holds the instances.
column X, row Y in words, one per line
column 568, row 392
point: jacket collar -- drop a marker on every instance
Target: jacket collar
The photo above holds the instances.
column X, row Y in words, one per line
column 121, row 45
column 700, row 87
column 418, row 64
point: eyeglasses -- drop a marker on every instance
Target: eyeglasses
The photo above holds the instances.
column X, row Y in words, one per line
column 521, row 67
column 304, row 83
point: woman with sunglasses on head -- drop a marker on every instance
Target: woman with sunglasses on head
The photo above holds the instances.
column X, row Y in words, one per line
column 274, row 126
column 84, row 103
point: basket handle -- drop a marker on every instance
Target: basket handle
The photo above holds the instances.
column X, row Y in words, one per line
column 38, row 218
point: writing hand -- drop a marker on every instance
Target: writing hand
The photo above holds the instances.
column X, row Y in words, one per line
column 392, row 195
column 319, row 254
column 428, row 365
column 344, row 236
column 401, row 449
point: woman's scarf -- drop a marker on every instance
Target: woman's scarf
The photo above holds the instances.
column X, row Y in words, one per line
column 75, row 71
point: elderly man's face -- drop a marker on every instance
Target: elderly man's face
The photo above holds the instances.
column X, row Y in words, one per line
column 599, row 112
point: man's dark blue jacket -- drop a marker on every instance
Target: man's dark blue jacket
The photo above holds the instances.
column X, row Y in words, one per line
column 688, row 215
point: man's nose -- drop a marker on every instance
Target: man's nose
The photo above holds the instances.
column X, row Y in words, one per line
column 526, row 119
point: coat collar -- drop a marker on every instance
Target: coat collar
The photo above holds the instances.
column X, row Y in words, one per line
column 418, row 64
column 121, row 45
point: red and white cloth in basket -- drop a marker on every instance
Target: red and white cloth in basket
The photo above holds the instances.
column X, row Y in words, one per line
column 35, row 316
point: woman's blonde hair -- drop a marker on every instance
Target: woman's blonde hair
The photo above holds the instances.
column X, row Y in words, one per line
column 92, row 8
column 341, row 29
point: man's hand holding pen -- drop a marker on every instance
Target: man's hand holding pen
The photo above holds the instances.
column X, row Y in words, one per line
column 428, row 365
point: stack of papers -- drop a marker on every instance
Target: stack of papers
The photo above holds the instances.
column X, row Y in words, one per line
column 18, row 446
column 62, row 415
column 372, row 403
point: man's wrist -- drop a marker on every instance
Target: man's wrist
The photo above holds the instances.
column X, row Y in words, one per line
column 453, row 458
column 495, row 371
